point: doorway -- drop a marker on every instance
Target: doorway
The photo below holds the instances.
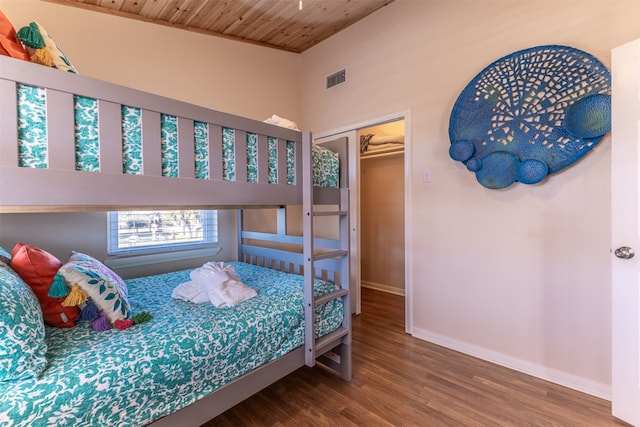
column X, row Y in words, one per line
column 382, row 250
column 401, row 121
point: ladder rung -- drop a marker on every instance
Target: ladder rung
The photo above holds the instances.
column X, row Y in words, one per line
column 326, row 342
column 330, row 254
column 330, row 213
column 330, row 296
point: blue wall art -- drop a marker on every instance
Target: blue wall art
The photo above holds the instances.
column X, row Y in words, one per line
column 530, row 114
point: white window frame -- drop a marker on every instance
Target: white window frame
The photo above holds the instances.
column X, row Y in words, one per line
column 158, row 253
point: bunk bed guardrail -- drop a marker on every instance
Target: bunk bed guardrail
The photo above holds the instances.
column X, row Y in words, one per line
column 187, row 150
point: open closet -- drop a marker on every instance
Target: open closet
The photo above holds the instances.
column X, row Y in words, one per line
column 382, row 205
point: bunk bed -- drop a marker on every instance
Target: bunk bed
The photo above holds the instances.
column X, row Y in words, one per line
column 72, row 143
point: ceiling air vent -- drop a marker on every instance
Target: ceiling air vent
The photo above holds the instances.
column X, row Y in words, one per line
column 336, row 78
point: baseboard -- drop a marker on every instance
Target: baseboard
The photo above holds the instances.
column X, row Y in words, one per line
column 575, row 382
column 383, row 288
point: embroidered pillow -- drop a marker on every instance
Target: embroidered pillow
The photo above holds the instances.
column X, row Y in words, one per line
column 96, row 281
column 42, row 49
column 38, row 268
column 22, row 343
column 60, row 60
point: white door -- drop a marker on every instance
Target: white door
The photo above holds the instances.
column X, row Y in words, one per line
column 625, row 140
column 354, row 209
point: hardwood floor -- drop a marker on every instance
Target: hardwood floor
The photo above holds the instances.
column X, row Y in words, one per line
column 402, row 381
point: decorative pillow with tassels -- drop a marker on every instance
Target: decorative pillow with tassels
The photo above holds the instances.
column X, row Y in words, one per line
column 38, row 269
column 89, row 281
column 42, row 49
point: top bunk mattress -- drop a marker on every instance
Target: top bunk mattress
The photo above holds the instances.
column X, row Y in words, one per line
column 135, row 376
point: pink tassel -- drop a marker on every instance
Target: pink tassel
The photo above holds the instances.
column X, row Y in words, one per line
column 101, row 323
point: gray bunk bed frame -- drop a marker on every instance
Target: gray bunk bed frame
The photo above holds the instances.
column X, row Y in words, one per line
column 61, row 188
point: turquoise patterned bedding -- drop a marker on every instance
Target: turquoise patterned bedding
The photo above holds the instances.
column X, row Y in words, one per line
column 135, row 376
column 33, row 150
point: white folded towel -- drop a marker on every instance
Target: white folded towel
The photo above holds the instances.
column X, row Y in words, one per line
column 229, row 293
column 191, row 292
column 221, row 266
column 282, row 122
column 214, row 282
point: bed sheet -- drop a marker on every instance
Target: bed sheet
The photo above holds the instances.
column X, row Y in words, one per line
column 135, row 376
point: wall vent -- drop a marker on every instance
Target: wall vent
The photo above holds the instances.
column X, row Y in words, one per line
column 337, row 78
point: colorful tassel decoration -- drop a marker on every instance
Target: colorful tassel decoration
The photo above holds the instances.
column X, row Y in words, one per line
column 123, row 324
column 30, row 36
column 141, row 317
column 58, row 289
column 76, row 297
column 101, row 323
column 89, row 311
column 42, row 56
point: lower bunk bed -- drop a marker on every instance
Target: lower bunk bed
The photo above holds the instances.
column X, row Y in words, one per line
column 152, row 371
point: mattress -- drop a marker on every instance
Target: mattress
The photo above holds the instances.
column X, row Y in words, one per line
column 32, row 143
column 132, row 377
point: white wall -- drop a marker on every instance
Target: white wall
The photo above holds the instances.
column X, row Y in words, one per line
column 520, row 276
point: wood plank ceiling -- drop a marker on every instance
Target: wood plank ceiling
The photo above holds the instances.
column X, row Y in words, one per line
column 291, row 25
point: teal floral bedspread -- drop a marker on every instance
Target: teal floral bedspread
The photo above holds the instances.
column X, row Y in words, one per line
column 135, row 376
column 33, row 147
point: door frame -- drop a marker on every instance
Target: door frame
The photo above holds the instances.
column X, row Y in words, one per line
column 354, row 163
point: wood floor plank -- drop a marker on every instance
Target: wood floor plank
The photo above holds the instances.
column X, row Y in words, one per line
column 399, row 380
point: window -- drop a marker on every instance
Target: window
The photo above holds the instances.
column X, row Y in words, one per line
column 136, row 233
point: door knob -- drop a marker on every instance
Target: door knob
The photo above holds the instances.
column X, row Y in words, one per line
column 624, row 252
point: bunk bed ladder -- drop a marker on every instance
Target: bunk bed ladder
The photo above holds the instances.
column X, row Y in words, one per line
column 332, row 349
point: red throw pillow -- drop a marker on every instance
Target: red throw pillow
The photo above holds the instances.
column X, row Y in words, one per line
column 37, row 268
column 9, row 44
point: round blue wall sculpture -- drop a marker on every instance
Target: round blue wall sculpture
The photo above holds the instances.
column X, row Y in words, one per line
column 530, row 114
